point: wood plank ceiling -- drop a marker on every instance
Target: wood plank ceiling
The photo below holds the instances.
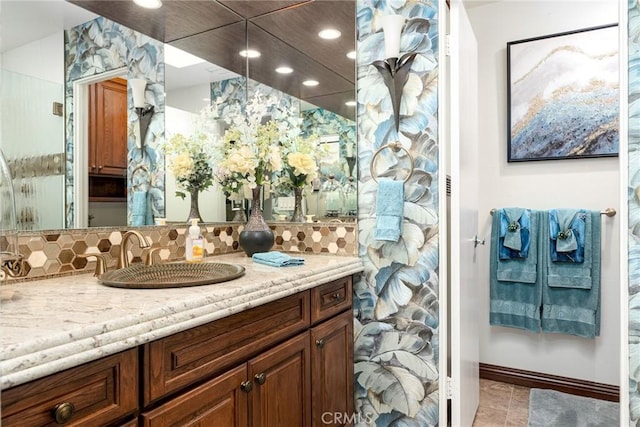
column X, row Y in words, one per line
column 285, row 32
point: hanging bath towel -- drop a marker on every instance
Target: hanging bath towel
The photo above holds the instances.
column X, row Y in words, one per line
column 515, row 224
column 515, row 286
column 571, row 295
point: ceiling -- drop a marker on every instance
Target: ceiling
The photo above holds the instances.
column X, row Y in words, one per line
column 285, row 32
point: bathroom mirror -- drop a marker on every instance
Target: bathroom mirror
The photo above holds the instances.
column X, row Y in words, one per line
column 189, row 26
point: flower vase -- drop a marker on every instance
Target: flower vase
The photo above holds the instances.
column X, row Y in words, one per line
column 194, row 212
column 297, row 215
column 256, row 235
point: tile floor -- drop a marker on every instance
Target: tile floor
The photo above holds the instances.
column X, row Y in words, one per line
column 502, row 404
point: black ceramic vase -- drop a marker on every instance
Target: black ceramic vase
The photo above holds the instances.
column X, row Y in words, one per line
column 256, row 235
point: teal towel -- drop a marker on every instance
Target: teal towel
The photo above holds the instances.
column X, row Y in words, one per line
column 513, row 235
column 141, row 213
column 515, row 269
column 566, row 239
column 515, row 288
column 571, row 298
column 276, row 259
column 389, row 210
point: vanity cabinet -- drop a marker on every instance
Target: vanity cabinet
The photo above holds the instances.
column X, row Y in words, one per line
column 108, row 128
column 97, row 394
column 283, row 363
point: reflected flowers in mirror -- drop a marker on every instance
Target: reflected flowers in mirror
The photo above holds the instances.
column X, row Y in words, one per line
column 189, row 162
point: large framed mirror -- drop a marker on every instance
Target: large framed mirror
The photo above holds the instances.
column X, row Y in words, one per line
column 55, row 180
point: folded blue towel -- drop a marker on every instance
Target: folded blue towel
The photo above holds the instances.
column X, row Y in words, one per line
column 515, row 225
column 389, row 210
column 141, row 209
column 515, row 286
column 567, row 234
column 276, row 259
column 571, row 298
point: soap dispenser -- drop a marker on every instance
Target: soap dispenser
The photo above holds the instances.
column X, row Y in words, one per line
column 195, row 243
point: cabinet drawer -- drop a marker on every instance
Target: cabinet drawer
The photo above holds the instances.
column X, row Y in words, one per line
column 186, row 357
column 330, row 299
column 100, row 392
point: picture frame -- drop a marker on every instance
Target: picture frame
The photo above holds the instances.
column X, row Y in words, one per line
column 563, row 95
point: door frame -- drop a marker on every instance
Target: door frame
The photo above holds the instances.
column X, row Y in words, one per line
column 80, row 142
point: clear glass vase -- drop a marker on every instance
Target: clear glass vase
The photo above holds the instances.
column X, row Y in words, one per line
column 194, row 211
column 297, row 215
column 256, row 235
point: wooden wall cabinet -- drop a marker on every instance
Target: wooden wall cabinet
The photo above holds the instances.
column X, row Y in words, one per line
column 108, row 128
column 285, row 363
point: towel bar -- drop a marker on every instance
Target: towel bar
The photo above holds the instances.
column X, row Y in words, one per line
column 608, row 212
column 395, row 146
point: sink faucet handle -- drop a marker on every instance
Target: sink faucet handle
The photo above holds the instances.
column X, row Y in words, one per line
column 101, row 263
column 150, row 256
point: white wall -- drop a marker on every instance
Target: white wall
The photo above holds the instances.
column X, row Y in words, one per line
column 587, row 183
column 43, row 59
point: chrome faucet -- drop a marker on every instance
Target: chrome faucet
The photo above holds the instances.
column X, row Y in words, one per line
column 123, row 260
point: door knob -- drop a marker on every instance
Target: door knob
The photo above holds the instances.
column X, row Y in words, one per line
column 63, row 412
column 477, row 241
column 260, row 378
column 320, row 343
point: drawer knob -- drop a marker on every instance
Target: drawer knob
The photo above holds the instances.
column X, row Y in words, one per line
column 246, row 386
column 336, row 296
column 320, row 343
column 63, row 412
column 261, row 378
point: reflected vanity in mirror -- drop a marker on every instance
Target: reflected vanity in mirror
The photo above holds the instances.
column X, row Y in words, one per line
column 286, row 35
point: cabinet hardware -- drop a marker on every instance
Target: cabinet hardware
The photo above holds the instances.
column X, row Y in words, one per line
column 93, row 167
column 246, row 386
column 320, row 343
column 100, row 167
column 336, row 296
column 63, row 412
column 260, row 378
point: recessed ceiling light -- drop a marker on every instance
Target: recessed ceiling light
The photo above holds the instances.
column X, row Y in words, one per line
column 310, row 83
column 284, row 70
column 149, row 4
column 329, row 34
column 179, row 58
column 350, row 103
column 351, row 55
column 249, row 53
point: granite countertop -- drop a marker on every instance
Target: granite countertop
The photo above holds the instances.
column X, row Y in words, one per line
column 50, row 325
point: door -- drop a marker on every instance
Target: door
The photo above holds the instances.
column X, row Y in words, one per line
column 465, row 301
column 332, row 371
column 282, row 386
column 108, row 128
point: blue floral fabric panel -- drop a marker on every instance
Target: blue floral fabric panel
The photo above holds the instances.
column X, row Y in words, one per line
column 522, row 226
column 567, row 234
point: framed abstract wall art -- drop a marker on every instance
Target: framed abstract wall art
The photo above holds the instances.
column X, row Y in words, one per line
column 562, row 95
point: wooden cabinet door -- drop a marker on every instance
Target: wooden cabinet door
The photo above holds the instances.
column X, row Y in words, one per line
column 332, row 371
column 216, row 403
column 108, row 128
column 281, row 393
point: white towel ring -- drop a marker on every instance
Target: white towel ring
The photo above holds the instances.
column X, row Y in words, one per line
column 395, row 146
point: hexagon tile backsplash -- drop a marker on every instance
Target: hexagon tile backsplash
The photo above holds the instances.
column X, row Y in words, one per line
column 54, row 253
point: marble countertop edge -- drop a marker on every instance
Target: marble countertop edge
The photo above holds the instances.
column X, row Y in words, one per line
column 38, row 359
column 228, row 291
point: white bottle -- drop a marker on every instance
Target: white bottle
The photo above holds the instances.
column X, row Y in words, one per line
column 195, row 243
